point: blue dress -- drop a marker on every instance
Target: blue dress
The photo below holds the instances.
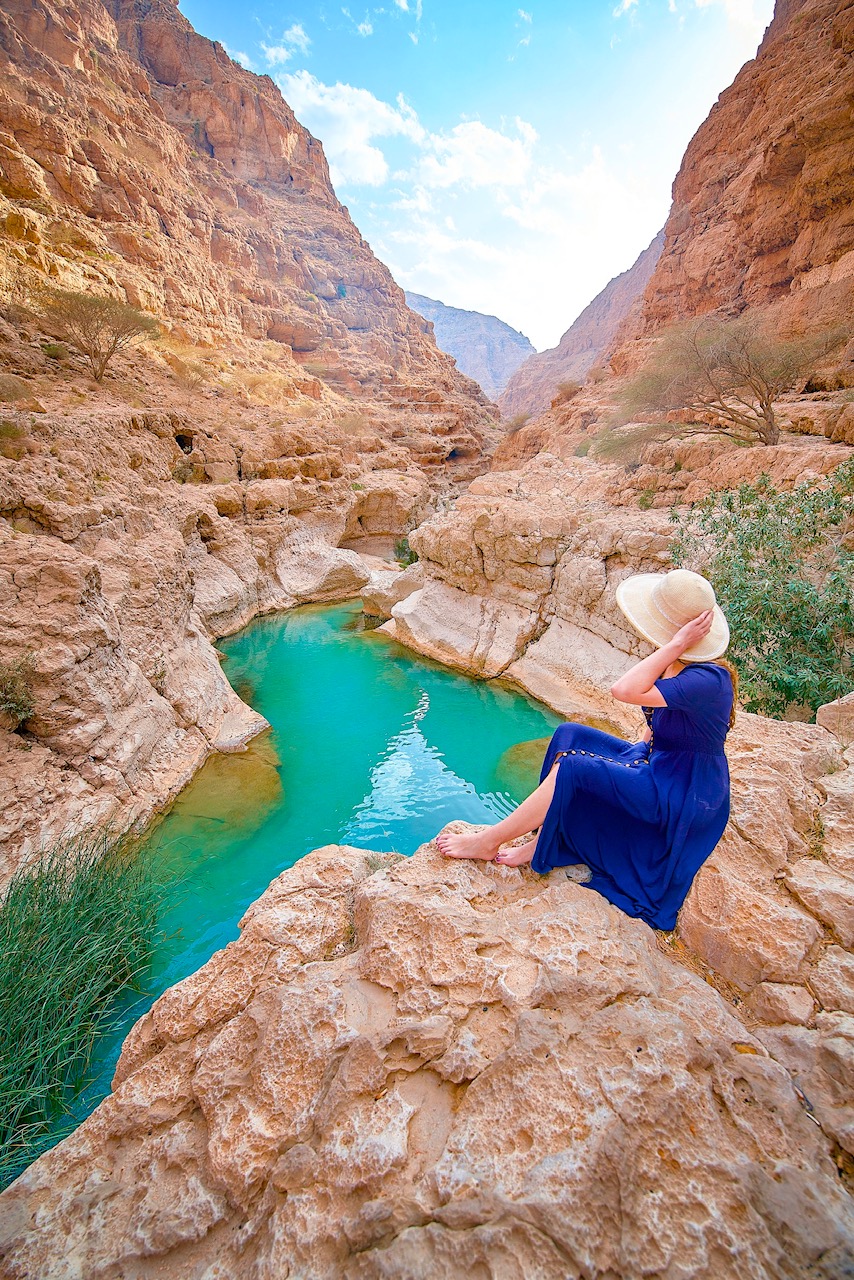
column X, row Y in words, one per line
column 644, row 817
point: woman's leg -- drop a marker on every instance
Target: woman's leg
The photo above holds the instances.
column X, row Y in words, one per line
column 485, row 844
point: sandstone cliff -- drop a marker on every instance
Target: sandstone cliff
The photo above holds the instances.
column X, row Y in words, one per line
column 416, row 1067
column 586, row 342
column 138, row 159
column 484, row 347
column 762, row 205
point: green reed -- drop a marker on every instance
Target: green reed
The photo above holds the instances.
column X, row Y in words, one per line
column 76, row 927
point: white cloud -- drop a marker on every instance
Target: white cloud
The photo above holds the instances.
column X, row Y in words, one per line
column 292, row 40
column 239, row 56
column 526, row 17
column 623, row 7
column 347, row 120
column 364, row 28
column 473, row 155
column 297, row 37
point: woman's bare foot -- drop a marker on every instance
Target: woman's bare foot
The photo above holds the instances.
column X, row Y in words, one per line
column 469, row 844
column 517, row 855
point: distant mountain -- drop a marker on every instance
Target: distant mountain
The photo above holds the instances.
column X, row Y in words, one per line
column 588, row 339
column 484, row 347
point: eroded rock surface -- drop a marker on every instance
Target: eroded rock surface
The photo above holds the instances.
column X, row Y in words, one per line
column 762, row 208
column 421, row 1067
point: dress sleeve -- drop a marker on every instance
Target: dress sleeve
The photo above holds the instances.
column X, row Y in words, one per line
column 693, row 689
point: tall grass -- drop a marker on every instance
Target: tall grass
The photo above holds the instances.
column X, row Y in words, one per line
column 76, row 927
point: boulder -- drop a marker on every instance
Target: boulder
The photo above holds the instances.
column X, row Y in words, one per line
column 413, row 1067
column 385, row 590
column 474, row 633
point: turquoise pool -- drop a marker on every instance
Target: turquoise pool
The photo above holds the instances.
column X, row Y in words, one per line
column 370, row 745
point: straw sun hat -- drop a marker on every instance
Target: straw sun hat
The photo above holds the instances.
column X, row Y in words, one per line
column 659, row 604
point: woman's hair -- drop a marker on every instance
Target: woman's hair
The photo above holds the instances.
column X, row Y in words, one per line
column 728, row 666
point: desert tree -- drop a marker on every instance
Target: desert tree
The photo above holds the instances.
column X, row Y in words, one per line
column 729, row 372
column 98, row 326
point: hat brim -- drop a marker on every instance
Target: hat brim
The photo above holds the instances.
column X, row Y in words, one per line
column 634, row 596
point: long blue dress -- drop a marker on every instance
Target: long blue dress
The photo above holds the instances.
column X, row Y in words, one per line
column 644, row 818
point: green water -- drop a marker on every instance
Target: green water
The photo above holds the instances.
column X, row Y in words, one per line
column 370, row 746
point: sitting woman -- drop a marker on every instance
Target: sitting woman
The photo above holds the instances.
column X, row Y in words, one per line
column 643, row 816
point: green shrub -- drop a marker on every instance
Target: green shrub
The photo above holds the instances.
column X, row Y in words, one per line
column 403, row 553
column 645, row 498
column 516, row 423
column 76, row 928
column 582, row 449
column 16, row 689
column 783, row 576
column 55, row 350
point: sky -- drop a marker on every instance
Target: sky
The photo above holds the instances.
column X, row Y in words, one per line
column 501, row 159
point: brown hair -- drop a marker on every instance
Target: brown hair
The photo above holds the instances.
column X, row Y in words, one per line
column 728, row 666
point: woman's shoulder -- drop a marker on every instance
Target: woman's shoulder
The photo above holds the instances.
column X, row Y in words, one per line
column 699, row 686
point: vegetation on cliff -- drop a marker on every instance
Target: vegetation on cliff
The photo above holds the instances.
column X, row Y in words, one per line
column 99, row 327
column 16, row 693
column 76, row 928
column 728, row 372
column 782, row 567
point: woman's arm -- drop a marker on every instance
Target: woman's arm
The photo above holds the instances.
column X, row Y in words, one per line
column 637, row 686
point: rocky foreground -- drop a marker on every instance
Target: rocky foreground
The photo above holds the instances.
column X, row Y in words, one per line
column 418, row 1067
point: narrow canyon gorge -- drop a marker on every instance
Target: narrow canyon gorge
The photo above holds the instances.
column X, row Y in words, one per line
column 410, row 1067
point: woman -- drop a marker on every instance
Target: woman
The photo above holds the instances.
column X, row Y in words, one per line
column 645, row 816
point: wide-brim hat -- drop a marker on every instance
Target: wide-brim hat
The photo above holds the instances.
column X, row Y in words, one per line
column 659, row 604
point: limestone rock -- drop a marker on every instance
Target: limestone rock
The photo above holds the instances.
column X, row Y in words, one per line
column 387, row 503
column 480, row 635
column 309, row 569
column 761, row 203
column 436, row 1068
column 828, row 895
column 838, row 717
column 210, row 206
column 746, row 936
column 572, row 671
column 385, row 590
column 833, row 980
column 821, row 1063
column 776, row 1002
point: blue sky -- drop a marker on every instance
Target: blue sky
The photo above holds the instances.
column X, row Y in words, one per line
column 501, row 158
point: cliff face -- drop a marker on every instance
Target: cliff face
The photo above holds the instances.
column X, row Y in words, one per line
column 484, row 347
column 138, row 159
column 585, row 342
column 762, row 205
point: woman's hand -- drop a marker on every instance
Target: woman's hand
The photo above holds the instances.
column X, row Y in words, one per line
column 694, row 631
column 637, row 686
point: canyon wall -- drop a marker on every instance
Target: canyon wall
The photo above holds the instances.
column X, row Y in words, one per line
column 484, row 347
column 762, row 209
column 138, row 159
